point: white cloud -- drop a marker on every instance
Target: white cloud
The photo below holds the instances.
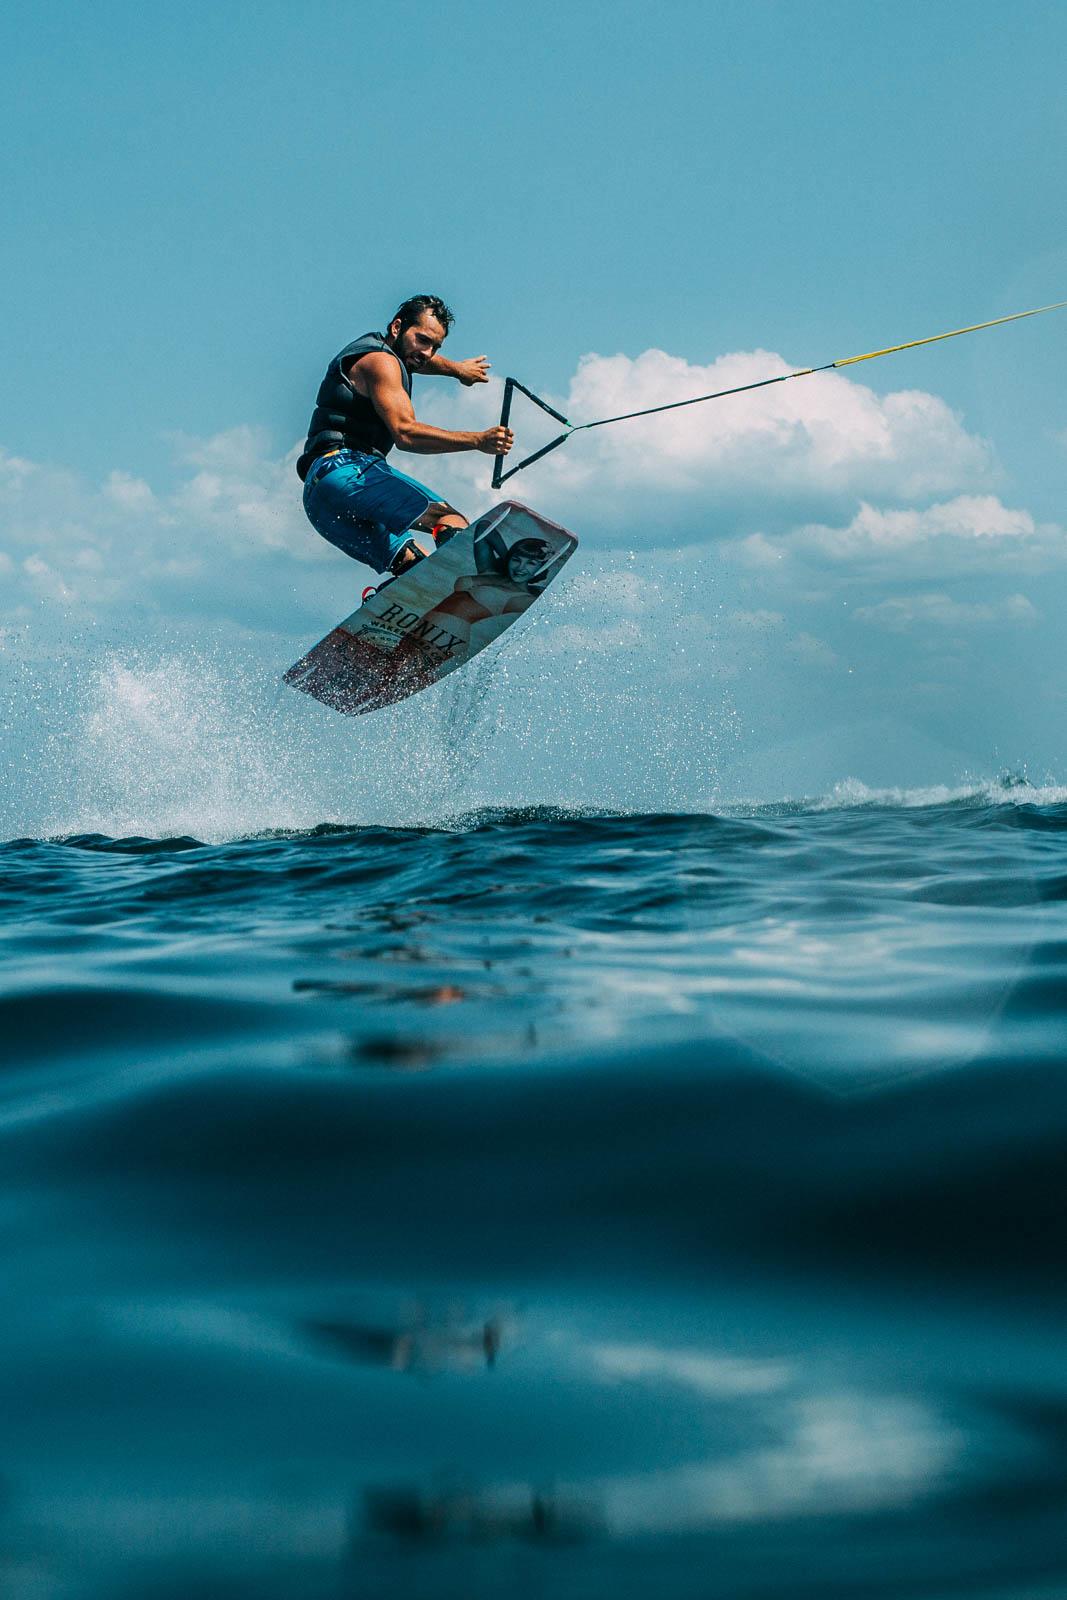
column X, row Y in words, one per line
column 978, row 518
column 185, row 551
column 129, row 492
column 758, row 551
column 967, row 534
column 231, row 536
column 45, row 580
column 811, row 446
column 14, row 470
column 248, row 498
column 811, row 652
column 943, row 611
column 824, row 430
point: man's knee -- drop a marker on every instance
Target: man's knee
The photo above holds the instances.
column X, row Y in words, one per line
column 441, row 513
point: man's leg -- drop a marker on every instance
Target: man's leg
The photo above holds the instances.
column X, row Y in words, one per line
column 439, row 519
column 441, row 515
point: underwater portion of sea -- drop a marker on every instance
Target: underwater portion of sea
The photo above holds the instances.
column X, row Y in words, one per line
column 563, row 1202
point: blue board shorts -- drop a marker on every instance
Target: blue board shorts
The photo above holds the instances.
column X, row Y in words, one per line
column 361, row 504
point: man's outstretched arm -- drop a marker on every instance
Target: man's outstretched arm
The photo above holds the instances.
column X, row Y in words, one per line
column 383, row 386
column 474, row 370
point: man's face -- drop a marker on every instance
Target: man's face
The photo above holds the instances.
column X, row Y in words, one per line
column 418, row 343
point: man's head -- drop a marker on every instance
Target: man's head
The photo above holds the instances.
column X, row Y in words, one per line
column 418, row 329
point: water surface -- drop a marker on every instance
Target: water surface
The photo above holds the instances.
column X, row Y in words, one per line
column 545, row 1204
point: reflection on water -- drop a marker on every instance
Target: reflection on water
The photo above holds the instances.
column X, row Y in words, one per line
column 512, row 1512
column 554, row 1206
column 420, row 1344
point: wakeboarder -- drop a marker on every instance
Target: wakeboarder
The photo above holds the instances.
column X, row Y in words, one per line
column 352, row 496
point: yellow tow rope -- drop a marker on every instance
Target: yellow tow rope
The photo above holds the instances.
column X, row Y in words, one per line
column 933, row 338
column 511, row 384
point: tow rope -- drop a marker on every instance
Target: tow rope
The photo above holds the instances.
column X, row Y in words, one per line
column 511, row 384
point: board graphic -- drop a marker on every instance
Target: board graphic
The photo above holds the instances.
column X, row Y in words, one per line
column 433, row 618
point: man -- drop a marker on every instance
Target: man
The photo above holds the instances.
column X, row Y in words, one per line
column 352, row 496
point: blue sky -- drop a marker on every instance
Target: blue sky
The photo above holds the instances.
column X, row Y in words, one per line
column 620, row 202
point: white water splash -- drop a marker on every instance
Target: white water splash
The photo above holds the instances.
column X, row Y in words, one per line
column 613, row 695
column 594, row 702
column 177, row 743
column 1006, row 789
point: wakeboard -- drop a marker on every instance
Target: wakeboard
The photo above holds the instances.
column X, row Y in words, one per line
column 437, row 615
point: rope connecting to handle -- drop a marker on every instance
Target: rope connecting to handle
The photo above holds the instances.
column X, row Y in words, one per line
column 511, row 384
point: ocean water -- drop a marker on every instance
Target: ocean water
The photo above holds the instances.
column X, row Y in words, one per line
column 556, row 1202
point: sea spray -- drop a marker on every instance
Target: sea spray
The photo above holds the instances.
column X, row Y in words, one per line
column 589, row 704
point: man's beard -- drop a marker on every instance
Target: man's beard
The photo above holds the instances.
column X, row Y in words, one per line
column 412, row 362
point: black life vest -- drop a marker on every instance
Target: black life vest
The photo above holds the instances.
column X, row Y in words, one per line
column 343, row 419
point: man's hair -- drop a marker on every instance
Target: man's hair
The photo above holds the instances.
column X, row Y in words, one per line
column 410, row 312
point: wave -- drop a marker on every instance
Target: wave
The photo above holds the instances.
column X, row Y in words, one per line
column 1008, row 789
column 689, row 1154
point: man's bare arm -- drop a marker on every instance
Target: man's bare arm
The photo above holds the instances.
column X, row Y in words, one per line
column 474, row 370
column 377, row 377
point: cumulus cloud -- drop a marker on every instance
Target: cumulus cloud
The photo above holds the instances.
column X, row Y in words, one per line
column 814, row 445
column 942, row 610
column 821, row 469
column 233, row 520
column 819, row 443
column 978, row 518
column 817, row 431
column 811, row 652
column 244, row 495
column 45, row 580
column 14, row 470
column 758, row 551
column 133, row 494
column 967, row 534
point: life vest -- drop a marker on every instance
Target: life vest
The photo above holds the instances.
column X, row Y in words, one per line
column 343, row 419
